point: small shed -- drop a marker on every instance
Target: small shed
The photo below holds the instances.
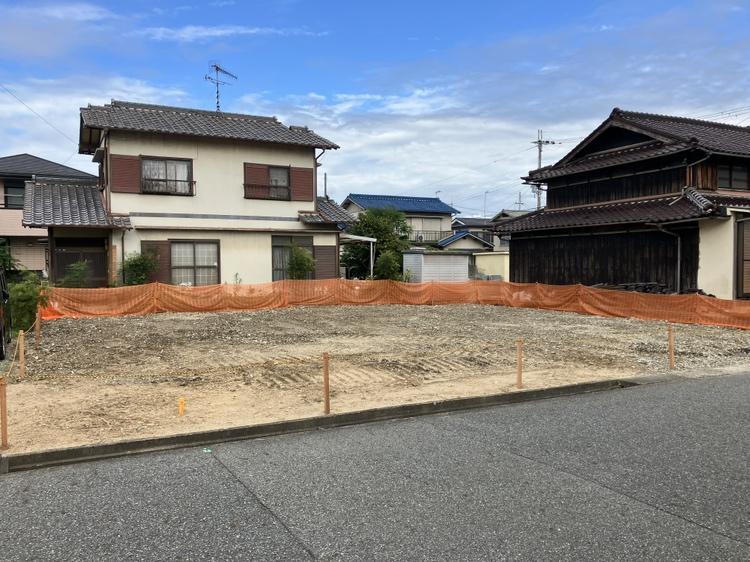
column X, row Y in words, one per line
column 423, row 265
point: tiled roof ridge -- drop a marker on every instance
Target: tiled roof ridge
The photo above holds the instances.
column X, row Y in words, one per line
column 625, row 114
column 383, row 196
column 176, row 109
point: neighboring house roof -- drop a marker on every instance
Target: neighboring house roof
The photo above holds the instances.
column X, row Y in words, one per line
column 56, row 202
column 669, row 134
column 445, row 242
column 141, row 117
column 400, row 203
column 471, row 222
column 27, row 165
column 506, row 214
column 328, row 212
column 692, row 204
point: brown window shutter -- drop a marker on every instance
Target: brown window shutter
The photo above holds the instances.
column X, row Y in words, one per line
column 163, row 252
column 125, row 173
column 256, row 174
column 326, row 262
column 302, row 185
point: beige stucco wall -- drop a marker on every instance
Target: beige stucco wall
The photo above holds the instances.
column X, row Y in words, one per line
column 716, row 257
column 29, row 252
column 467, row 244
column 218, row 172
column 493, row 263
column 246, row 254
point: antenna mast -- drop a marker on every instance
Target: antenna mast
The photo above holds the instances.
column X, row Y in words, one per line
column 537, row 187
column 219, row 71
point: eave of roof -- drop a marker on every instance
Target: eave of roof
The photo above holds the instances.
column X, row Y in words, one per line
column 445, row 242
column 647, row 210
column 58, row 203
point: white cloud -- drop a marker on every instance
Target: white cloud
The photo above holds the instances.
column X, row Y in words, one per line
column 75, row 11
column 196, row 33
column 58, row 101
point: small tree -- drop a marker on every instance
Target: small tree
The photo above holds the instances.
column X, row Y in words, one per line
column 388, row 266
column 301, row 263
column 137, row 269
column 25, row 297
column 391, row 230
column 76, row 275
column 7, row 261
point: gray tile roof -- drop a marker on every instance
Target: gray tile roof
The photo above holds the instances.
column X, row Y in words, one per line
column 692, row 204
column 27, row 165
column 328, row 212
column 127, row 116
column 56, row 202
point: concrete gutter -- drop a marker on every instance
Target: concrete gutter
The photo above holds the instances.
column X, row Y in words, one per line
column 54, row 457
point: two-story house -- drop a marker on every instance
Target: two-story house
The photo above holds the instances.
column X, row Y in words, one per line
column 643, row 199
column 428, row 217
column 218, row 197
column 28, row 246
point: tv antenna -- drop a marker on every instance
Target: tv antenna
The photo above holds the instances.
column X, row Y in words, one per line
column 219, row 71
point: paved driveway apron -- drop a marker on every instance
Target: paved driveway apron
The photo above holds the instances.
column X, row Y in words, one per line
column 655, row 472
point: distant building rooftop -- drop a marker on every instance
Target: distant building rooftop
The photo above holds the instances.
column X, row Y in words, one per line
column 400, row 203
column 27, row 165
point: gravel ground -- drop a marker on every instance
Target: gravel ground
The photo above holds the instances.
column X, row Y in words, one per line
column 106, row 379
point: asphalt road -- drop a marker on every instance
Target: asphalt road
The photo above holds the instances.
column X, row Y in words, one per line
column 657, row 472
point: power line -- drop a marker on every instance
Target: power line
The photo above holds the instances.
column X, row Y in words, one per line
column 19, row 100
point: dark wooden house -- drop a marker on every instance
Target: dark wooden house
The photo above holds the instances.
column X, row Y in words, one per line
column 643, row 199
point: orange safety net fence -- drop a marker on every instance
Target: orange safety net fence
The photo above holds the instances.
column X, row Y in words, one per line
column 158, row 297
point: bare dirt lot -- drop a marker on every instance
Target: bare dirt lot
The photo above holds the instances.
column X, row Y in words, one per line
column 107, row 379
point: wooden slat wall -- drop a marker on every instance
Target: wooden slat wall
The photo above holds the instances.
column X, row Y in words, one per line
column 637, row 257
column 655, row 183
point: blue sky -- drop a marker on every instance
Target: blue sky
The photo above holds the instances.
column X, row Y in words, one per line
column 421, row 96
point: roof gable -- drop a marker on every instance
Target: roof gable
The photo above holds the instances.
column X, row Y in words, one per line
column 627, row 136
column 400, row 203
column 461, row 234
column 27, row 165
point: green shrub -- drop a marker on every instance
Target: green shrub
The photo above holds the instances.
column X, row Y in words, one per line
column 25, row 297
column 76, row 275
column 301, row 263
column 388, row 266
column 137, row 269
column 7, row 261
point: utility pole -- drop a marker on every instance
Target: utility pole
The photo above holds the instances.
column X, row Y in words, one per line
column 519, row 203
column 539, row 142
column 484, row 207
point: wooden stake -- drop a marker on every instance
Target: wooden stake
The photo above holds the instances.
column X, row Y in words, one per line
column 3, row 415
column 670, row 345
column 21, row 354
column 181, row 407
column 326, row 388
column 519, row 363
column 38, row 328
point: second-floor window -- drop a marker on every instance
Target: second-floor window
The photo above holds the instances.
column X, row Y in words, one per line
column 167, row 177
column 732, row 176
column 14, row 195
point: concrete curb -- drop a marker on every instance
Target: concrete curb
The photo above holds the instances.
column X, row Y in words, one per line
column 85, row 453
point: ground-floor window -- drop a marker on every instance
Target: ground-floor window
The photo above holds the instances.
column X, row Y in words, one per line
column 195, row 262
column 280, row 251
